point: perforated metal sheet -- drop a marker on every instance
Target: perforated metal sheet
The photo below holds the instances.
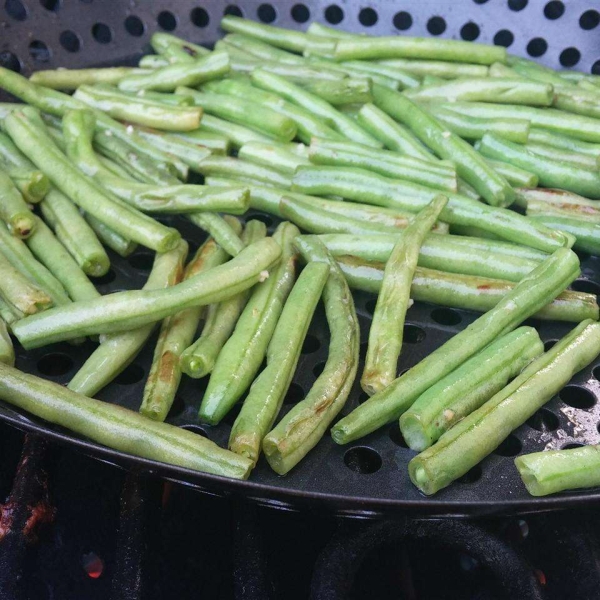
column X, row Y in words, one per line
column 369, row 475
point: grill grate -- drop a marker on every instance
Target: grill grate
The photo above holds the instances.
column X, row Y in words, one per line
column 370, row 474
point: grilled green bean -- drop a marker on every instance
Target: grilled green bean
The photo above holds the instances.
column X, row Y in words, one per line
column 9, row 314
column 391, row 134
column 140, row 110
column 587, row 234
column 123, row 311
column 553, row 471
column 153, row 61
column 551, row 173
column 304, row 425
column 437, row 68
column 250, row 114
column 564, row 142
column 478, row 434
column 215, row 142
column 226, row 166
column 569, row 157
column 7, row 352
column 374, row 48
column 466, row 291
column 117, row 243
column 353, row 90
column 71, row 79
column 275, row 156
column 264, row 401
column 32, row 184
column 469, row 165
column 245, row 350
column 166, row 79
column 118, row 350
column 533, row 292
column 75, row 234
column 319, row 107
column 591, row 214
column 164, row 43
column 364, row 186
column 385, row 335
column 451, row 253
column 217, row 227
column 199, row 359
column 296, row 41
column 13, row 209
column 18, row 292
column 473, row 128
column 308, row 126
column 468, row 387
column 514, row 175
column 390, row 164
column 117, row 427
column 348, row 70
column 37, row 145
column 246, row 44
column 163, row 97
column 371, row 69
column 487, row 89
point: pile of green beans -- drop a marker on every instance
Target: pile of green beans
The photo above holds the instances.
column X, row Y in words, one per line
column 389, row 165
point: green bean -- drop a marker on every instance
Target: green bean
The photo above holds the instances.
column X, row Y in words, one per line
column 347, row 70
column 296, row 41
column 220, row 230
column 307, row 125
column 55, row 257
column 466, row 291
column 20, row 257
column 153, row 61
column 165, row 79
column 244, row 351
column 391, row 164
column 421, row 48
column 432, row 80
column 9, row 314
column 570, row 157
column 7, row 353
column 551, row 173
column 32, row 184
column 554, row 207
column 13, row 209
column 264, row 401
column 117, row 427
column 345, row 91
column 514, row 175
column 35, row 143
column 117, row 243
column 437, row 68
column 466, row 190
column 246, row 44
column 551, row 119
column 118, row 350
column 75, row 234
column 487, row 89
column 587, row 234
column 473, row 128
column 226, row 166
column 363, row 186
column 556, row 140
column 162, row 97
column 164, row 43
column 551, row 196
column 237, row 134
column 385, row 335
column 304, row 425
column 18, row 292
column 405, row 79
column 553, row 471
column 198, row 359
column 533, row 292
column 127, row 310
column 273, row 155
column 469, row 165
column 478, row 434
column 71, row 79
column 215, row 142
column 319, row 107
column 468, row 387
column 577, row 100
column 140, row 110
column 252, row 115
column 576, row 77
column 533, row 70
column 391, row 134
column 451, row 253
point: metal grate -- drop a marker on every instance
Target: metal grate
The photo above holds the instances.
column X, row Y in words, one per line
column 370, row 474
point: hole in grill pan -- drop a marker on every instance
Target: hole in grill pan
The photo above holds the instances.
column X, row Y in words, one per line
column 294, row 395
column 589, row 19
column 166, row 20
column 15, row 9
column 517, row 5
column 572, row 446
column 445, row 316
column 70, row 41
column 537, row 47
column 367, row 17
column 300, row 13
column 132, row 374
column 569, row 57
column 543, row 420
column 469, row 31
column 362, row 460
column 266, row 13
column 11, row 61
column 39, row 51
column 311, row 344
column 585, row 285
column 504, row 37
column 396, row 435
column 334, row 14
column 577, row 397
column 413, row 334
column 436, row 25
column 101, row 33
column 199, row 17
column 134, row 26
column 403, row 20
column 511, row 446
column 471, row 476
column 55, row 364
column 234, row 10
column 554, row 10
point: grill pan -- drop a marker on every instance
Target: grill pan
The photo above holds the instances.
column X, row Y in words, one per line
column 367, row 477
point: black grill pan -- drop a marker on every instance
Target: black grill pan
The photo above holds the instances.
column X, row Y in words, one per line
column 369, row 476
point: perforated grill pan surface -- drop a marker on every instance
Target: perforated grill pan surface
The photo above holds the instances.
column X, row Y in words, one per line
column 369, row 476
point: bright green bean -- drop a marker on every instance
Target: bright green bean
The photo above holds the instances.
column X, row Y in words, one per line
column 514, row 175
column 276, row 156
column 71, row 79
column 564, row 142
column 246, row 44
column 32, row 184
column 468, row 387
column 163, row 43
column 218, row 228
column 215, row 142
column 533, row 292
column 117, row 243
column 153, row 61
column 13, row 209
column 348, row 70
column 226, row 166
column 569, row 157
column 353, row 90
column 7, row 352
column 554, row 207
column 478, row 434
column 372, row 68
column 264, row 401
column 587, row 234
column 553, row 471
column 437, row 68
column 385, row 334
